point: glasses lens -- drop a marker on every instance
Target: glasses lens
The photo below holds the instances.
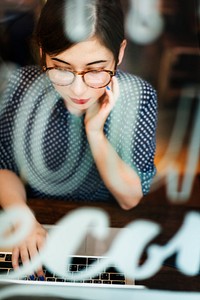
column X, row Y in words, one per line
column 97, row 79
column 60, row 76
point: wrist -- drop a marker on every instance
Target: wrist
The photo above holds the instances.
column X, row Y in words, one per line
column 95, row 136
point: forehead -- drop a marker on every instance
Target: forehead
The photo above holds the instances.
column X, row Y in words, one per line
column 86, row 52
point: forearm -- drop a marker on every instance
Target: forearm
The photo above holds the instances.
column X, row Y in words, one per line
column 12, row 191
column 121, row 180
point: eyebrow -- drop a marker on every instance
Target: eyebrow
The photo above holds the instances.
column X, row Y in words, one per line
column 91, row 63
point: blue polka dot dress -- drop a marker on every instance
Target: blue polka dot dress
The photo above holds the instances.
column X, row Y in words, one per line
column 46, row 145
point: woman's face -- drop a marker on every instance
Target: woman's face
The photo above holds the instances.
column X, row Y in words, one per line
column 84, row 56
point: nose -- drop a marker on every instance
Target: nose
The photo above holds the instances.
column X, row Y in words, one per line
column 78, row 86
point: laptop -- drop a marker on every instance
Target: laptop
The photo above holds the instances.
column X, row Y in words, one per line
column 90, row 251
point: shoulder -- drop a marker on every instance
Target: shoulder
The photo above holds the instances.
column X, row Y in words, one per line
column 130, row 82
column 25, row 74
column 134, row 89
column 21, row 81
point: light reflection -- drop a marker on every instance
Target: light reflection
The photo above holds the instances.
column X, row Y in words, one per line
column 78, row 25
column 144, row 23
column 168, row 170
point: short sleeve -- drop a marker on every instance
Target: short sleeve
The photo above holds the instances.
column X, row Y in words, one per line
column 6, row 161
column 145, row 136
column 8, row 107
column 133, row 126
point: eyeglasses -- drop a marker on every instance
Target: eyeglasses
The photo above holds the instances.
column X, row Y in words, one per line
column 94, row 78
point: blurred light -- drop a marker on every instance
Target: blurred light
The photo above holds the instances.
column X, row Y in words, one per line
column 78, row 23
column 144, row 23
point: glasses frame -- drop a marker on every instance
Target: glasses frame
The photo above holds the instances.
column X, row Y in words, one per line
column 82, row 74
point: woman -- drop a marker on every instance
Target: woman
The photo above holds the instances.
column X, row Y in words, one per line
column 79, row 129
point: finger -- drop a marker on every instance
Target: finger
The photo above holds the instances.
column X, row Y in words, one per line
column 40, row 274
column 15, row 258
column 24, row 254
column 115, row 87
column 33, row 252
column 112, row 91
column 110, row 98
column 40, row 243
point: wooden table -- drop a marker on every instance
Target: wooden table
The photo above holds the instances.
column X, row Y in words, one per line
column 169, row 216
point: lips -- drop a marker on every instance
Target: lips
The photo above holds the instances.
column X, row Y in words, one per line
column 80, row 101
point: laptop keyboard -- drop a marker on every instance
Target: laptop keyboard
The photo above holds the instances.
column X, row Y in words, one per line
column 107, row 276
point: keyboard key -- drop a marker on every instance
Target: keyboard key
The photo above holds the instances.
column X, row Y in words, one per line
column 105, row 276
column 81, row 267
column 68, row 280
column 8, row 257
column 73, row 268
column 92, row 260
column 90, row 267
column 87, row 281
column 11, row 270
column 106, row 281
column 4, row 271
column 5, row 264
column 60, row 280
column 118, row 282
column 50, row 279
column 79, row 261
column 117, row 276
column 112, row 270
column 97, row 281
column 48, row 274
column 96, row 276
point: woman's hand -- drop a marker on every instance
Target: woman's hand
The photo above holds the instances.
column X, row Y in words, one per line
column 124, row 183
column 97, row 114
column 30, row 248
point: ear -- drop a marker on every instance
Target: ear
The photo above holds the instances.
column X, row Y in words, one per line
column 42, row 57
column 121, row 51
column 40, row 52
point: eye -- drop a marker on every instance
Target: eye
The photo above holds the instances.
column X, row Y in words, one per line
column 60, row 76
column 61, row 68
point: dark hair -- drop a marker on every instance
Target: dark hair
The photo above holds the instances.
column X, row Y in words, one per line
column 104, row 17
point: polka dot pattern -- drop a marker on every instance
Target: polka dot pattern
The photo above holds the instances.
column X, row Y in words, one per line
column 47, row 146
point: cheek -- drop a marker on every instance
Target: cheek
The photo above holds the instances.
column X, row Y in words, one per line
column 62, row 90
column 94, row 94
column 97, row 94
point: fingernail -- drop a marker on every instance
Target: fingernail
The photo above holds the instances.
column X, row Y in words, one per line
column 41, row 278
column 31, row 277
column 108, row 88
